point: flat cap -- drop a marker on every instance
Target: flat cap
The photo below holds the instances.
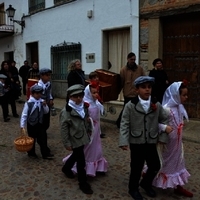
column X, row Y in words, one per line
column 75, row 89
column 36, row 88
column 3, row 76
column 45, row 71
column 143, row 79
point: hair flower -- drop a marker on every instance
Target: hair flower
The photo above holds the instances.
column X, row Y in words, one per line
column 153, row 106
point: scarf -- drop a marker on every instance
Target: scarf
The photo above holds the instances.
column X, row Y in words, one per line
column 171, row 98
column 145, row 103
column 44, row 85
column 78, row 108
column 37, row 103
column 93, row 102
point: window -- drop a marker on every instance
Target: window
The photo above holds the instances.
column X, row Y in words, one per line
column 36, row 5
column 58, row 2
column 61, row 55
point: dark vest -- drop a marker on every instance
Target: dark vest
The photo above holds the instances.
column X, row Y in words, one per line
column 35, row 117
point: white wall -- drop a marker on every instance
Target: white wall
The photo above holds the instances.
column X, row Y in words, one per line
column 70, row 23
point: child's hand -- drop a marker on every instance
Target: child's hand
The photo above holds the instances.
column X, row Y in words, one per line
column 69, row 148
column 124, row 147
column 51, row 103
column 168, row 129
column 44, row 103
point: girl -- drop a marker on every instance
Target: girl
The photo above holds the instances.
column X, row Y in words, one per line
column 173, row 173
column 95, row 162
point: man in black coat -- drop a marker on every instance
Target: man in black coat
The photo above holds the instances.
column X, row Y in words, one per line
column 23, row 72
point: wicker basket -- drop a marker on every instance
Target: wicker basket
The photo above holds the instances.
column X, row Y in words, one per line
column 23, row 143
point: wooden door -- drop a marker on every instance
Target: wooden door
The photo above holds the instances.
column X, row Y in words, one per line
column 181, row 55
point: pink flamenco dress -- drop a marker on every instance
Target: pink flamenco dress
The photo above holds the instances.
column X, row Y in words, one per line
column 173, row 172
column 95, row 162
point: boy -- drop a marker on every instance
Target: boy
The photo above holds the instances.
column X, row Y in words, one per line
column 75, row 127
column 32, row 115
column 44, row 82
column 3, row 98
column 139, row 130
column 93, row 76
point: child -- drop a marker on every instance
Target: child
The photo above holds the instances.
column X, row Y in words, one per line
column 3, row 98
column 75, row 126
column 94, row 78
column 173, row 173
column 95, row 162
column 44, row 82
column 32, row 115
column 139, row 130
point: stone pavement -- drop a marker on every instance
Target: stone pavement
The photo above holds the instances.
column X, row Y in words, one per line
column 23, row 178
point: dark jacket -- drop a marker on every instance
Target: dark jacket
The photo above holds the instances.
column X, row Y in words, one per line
column 76, row 77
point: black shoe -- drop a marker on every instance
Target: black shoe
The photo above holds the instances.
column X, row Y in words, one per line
column 68, row 173
column 15, row 115
column 32, row 155
column 86, row 188
column 102, row 135
column 48, row 157
column 149, row 191
column 135, row 194
column 7, row 119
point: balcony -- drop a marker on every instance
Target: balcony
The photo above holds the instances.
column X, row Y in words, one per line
column 5, row 30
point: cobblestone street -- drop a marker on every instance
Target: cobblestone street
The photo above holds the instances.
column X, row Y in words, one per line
column 23, row 178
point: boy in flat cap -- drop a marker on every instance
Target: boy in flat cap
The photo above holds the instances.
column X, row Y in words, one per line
column 75, row 132
column 139, row 131
column 32, row 117
column 44, row 82
column 4, row 98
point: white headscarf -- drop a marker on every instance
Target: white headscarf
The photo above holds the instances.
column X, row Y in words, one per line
column 171, row 98
column 93, row 102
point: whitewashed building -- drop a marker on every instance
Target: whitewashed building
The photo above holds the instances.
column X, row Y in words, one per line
column 58, row 31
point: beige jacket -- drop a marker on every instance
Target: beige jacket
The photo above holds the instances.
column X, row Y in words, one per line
column 128, row 76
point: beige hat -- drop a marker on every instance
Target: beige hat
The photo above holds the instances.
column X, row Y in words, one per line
column 75, row 89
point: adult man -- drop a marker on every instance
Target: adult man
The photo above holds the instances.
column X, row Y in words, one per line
column 128, row 74
column 23, row 72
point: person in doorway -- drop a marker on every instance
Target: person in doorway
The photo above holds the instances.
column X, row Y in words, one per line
column 173, row 173
column 75, row 128
column 161, row 80
column 139, row 130
column 23, row 72
column 76, row 74
column 128, row 74
column 33, row 72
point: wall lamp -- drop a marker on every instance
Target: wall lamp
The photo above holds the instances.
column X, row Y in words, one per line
column 11, row 12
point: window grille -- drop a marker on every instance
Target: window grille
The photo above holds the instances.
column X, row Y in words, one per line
column 61, row 55
column 36, row 5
